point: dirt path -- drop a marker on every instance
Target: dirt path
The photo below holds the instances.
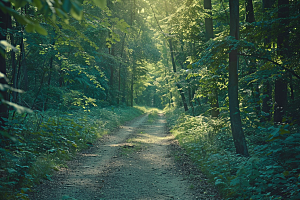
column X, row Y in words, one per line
column 133, row 163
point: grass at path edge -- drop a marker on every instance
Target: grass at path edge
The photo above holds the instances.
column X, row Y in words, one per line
column 46, row 140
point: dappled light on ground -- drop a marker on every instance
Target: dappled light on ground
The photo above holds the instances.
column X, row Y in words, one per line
column 132, row 163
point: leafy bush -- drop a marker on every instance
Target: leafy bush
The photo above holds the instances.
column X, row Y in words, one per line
column 45, row 140
column 153, row 115
column 272, row 171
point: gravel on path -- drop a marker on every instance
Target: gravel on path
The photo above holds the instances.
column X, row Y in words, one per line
column 135, row 162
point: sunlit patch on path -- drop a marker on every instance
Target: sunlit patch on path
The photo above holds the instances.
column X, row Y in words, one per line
column 133, row 163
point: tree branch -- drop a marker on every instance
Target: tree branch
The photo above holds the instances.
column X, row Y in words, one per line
column 165, row 34
column 267, row 59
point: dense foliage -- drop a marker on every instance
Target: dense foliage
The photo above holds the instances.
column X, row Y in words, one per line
column 272, row 171
column 45, row 140
column 226, row 73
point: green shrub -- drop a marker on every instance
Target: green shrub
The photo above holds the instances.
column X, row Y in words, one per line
column 43, row 142
column 272, row 171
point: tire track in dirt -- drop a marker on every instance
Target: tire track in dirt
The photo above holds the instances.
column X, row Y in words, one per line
column 133, row 163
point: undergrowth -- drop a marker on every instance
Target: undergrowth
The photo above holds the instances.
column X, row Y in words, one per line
column 42, row 142
column 153, row 115
column 271, row 172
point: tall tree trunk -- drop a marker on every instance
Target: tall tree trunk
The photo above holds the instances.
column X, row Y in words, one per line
column 4, row 24
column 111, row 78
column 191, row 101
column 119, row 75
column 249, row 11
column 213, row 98
column 51, row 66
column 177, row 84
column 267, row 87
column 282, row 44
column 255, row 89
column 267, row 101
column 235, row 118
column 131, row 89
column 14, row 69
column 292, row 87
column 22, row 56
column 22, row 68
column 49, row 77
column 124, row 86
column 172, row 55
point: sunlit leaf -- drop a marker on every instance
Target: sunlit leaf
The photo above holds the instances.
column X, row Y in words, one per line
column 100, row 3
column 18, row 108
column 77, row 16
column 29, row 28
column 5, row 45
column 40, row 30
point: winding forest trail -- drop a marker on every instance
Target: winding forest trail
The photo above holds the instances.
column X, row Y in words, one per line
column 135, row 162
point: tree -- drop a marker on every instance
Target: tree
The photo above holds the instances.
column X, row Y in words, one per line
column 214, row 102
column 180, row 89
column 4, row 24
column 267, row 87
column 235, row 118
column 283, row 46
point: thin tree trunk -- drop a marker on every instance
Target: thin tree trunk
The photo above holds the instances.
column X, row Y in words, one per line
column 23, row 57
column 22, row 66
column 111, row 79
column 191, row 101
column 50, row 66
column 249, row 11
column 5, row 22
column 131, row 92
column 292, row 87
column 282, row 44
column 255, row 89
column 174, row 70
column 14, row 69
column 267, row 87
column 235, row 118
column 119, row 79
column 172, row 55
column 267, row 101
column 213, row 99
column 49, row 77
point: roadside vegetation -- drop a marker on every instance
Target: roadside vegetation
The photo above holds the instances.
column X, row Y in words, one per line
column 153, row 115
column 44, row 141
column 271, row 171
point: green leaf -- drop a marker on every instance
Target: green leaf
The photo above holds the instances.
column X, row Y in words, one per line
column 11, row 170
column 77, row 8
column 5, row 45
column 66, row 6
column 29, row 28
column 286, row 173
column 61, row 13
column 219, row 182
column 76, row 15
column 19, row 4
column 40, row 30
column 100, row 3
column 38, row 4
column 48, row 177
column 18, row 108
column 5, row 134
